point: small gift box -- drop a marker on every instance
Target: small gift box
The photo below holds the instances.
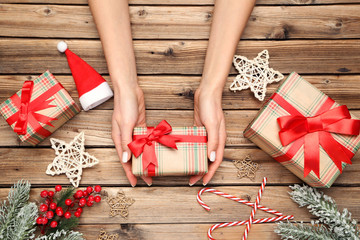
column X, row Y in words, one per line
column 39, row 108
column 167, row 151
column 306, row 131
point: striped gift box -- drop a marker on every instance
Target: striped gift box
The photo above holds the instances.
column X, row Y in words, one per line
column 189, row 159
column 264, row 130
column 65, row 108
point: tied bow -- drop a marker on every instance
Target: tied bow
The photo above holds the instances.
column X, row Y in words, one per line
column 145, row 143
column 27, row 110
column 315, row 131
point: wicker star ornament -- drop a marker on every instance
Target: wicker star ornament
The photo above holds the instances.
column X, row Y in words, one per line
column 70, row 159
column 254, row 74
column 119, row 205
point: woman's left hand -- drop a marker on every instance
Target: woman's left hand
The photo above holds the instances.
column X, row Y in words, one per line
column 208, row 112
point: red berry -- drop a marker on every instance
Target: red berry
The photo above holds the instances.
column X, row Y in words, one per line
column 53, row 224
column 89, row 189
column 39, row 220
column 44, row 220
column 91, row 198
column 97, row 188
column 79, row 209
column 97, row 199
column 67, row 215
column 77, row 214
column 82, row 202
column 68, row 202
column 85, row 193
column 59, row 211
column 53, row 206
column 79, row 194
column 58, row 188
column 51, row 193
column 89, row 203
column 43, row 207
column 50, row 214
column 44, row 194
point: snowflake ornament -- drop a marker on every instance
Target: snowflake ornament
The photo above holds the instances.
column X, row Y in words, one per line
column 254, row 74
column 70, row 159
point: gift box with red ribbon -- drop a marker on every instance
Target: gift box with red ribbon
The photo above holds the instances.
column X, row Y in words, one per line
column 39, row 108
column 169, row 151
column 306, row 131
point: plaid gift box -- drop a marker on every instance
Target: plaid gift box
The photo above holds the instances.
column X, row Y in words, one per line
column 301, row 128
column 185, row 154
column 39, row 108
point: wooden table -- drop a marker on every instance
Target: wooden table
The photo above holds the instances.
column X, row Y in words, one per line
column 319, row 39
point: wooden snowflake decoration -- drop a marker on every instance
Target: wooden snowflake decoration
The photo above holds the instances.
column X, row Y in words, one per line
column 254, row 74
column 105, row 236
column 119, row 205
column 70, row 159
column 246, row 168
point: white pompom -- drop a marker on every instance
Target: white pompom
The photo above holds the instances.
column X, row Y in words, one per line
column 62, row 46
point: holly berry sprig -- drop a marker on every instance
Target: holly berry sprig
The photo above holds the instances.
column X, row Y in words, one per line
column 56, row 212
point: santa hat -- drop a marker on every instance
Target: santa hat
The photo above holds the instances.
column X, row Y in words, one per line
column 92, row 88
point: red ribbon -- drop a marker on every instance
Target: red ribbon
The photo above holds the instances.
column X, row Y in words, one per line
column 27, row 110
column 313, row 132
column 146, row 144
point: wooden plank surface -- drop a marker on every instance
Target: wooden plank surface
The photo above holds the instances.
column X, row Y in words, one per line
column 97, row 126
column 178, row 22
column 178, row 91
column 191, row 2
column 179, row 205
column 177, row 232
column 182, row 57
column 110, row 172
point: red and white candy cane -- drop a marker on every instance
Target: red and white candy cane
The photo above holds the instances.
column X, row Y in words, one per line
column 253, row 211
column 231, row 197
column 240, row 223
column 280, row 216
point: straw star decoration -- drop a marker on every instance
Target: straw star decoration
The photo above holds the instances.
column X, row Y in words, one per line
column 70, row 159
column 246, row 168
column 254, row 74
column 119, row 205
column 105, row 236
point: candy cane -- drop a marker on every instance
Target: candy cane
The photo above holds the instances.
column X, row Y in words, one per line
column 253, row 211
column 231, row 197
column 240, row 223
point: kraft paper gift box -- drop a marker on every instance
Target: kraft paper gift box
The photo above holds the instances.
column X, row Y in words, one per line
column 167, row 151
column 39, row 108
column 306, row 131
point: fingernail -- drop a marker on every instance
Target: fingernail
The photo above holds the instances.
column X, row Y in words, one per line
column 191, row 184
column 205, row 184
column 149, row 184
column 133, row 185
column 125, row 157
column 212, row 156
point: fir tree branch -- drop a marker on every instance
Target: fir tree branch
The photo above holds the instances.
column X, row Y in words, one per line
column 62, row 235
column 17, row 198
column 300, row 231
column 325, row 208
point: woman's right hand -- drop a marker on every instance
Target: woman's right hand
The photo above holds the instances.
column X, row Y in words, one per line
column 129, row 111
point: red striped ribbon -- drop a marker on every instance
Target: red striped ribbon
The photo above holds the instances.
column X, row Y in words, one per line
column 27, row 114
column 315, row 131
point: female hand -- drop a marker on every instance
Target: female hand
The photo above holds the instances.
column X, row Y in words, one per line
column 208, row 112
column 129, row 111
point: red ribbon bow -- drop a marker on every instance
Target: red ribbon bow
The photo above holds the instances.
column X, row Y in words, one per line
column 27, row 110
column 146, row 144
column 315, row 131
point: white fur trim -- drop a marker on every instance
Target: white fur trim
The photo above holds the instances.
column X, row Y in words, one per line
column 62, row 46
column 96, row 96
